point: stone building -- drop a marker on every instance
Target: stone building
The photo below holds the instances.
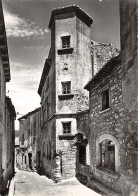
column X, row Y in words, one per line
column 7, row 112
column 28, row 125
column 111, row 122
column 61, row 88
column 16, row 146
column 8, row 142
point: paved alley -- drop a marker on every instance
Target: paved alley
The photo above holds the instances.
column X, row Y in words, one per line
column 32, row 184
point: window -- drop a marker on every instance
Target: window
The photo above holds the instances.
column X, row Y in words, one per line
column 66, row 88
column 65, row 42
column 105, row 99
column 107, row 149
column 66, row 127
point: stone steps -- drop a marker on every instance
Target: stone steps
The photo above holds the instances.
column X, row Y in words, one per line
column 102, row 189
column 97, row 186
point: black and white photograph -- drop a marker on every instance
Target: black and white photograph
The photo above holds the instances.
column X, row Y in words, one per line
column 68, row 98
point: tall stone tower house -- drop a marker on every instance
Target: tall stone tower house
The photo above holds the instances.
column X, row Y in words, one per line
column 65, row 73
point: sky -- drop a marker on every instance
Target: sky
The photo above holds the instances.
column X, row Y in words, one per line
column 29, row 39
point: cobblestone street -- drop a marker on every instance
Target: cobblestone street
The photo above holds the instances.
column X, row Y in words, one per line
column 32, row 184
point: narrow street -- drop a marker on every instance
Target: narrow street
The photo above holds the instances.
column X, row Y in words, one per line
column 32, row 184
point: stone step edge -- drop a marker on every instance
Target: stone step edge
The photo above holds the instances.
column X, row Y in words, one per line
column 105, row 191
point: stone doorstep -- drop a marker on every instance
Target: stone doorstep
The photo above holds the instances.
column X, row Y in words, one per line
column 105, row 191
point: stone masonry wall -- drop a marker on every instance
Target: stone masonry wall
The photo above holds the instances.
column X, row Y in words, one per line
column 70, row 67
column 83, row 123
column 112, row 121
column 65, row 148
column 128, row 33
column 75, row 66
column 2, row 119
column 101, row 53
column 48, row 148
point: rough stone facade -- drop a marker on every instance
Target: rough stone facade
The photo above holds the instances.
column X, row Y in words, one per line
column 68, row 63
column 129, row 41
column 101, row 53
column 7, row 112
column 8, row 142
column 63, row 65
column 113, row 126
column 29, row 124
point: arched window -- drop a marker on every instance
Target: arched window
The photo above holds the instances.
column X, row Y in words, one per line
column 107, row 152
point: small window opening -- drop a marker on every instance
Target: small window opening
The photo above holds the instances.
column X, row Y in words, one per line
column 65, row 42
column 66, row 89
column 105, row 99
column 66, row 127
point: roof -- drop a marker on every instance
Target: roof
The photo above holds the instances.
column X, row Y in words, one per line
column 79, row 12
column 29, row 114
column 10, row 107
column 44, row 75
column 106, row 70
column 3, row 46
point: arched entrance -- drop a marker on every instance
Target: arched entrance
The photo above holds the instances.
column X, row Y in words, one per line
column 107, row 152
column 83, row 155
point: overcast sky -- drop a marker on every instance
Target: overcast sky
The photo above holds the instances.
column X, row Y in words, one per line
column 28, row 39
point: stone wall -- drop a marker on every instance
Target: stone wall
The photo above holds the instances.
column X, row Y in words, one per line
column 34, row 127
column 128, row 32
column 71, row 67
column 8, row 137
column 2, row 119
column 6, row 156
column 113, row 123
column 83, row 123
column 48, row 148
column 119, row 122
column 101, row 53
column 65, row 147
column 28, row 125
column 66, row 65
column 75, row 66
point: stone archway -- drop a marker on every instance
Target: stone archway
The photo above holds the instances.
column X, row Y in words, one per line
column 117, row 147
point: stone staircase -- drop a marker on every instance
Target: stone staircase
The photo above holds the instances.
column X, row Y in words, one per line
column 102, row 189
column 97, row 186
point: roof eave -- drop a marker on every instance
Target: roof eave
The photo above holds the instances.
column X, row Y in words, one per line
column 67, row 9
column 4, row 48
column 104, row 71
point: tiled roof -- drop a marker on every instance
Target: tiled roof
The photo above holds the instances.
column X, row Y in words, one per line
column 29, row 114
column 106, row 70
column 79, row 12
